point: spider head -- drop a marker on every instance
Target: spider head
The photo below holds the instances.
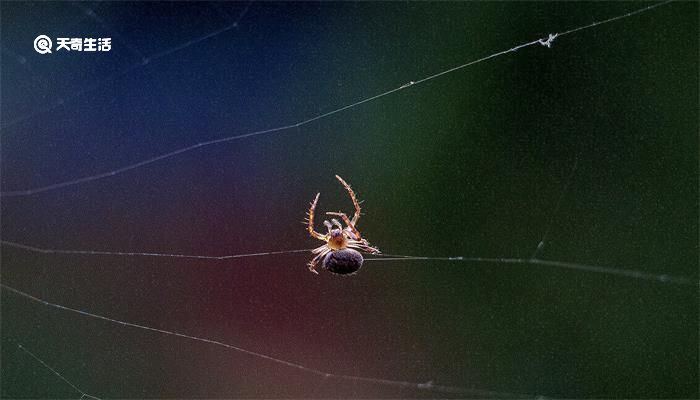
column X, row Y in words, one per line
column 336, row 233
column 337, row 239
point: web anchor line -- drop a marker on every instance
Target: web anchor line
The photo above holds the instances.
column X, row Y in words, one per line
column 143, row 254
column 429, row 386
column 83, row 394
column 541, row 41
column 629, row 273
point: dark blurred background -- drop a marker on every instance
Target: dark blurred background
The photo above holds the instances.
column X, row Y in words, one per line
column 472, row 163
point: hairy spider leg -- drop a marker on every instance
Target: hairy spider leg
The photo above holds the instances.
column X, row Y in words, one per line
column 356, row 203
column 328, row 225
column 321, row 252
column 310, row 218
column 337, row 223
column 348, row 223
column 362, row 245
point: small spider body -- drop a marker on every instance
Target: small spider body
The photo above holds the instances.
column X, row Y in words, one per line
column 339, row 254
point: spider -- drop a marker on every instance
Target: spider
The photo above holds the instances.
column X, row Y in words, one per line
column 339, row 254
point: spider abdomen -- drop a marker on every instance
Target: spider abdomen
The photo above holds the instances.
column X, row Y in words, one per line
column 343, row 262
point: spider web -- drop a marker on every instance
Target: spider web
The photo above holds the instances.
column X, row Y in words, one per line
column 438, row 156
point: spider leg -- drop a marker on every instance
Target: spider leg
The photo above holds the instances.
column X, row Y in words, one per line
column 310, row 218
column 320, row 252
column 349, row 223
column 363, row 245
column 356, row 203
column 337, row 223
column 328, row 225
